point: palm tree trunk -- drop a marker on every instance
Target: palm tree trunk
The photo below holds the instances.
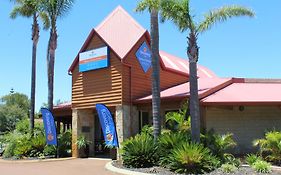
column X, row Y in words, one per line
column 192, row 52
column 155, row 74
column 35, row 38
column 51, row 64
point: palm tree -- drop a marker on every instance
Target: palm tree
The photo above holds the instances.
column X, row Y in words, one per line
column 153, row 8
column 54, row 10
column 178, row 11
column 30, row 9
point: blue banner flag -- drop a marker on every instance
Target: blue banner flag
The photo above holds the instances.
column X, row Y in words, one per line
column 107, row 124
column 50, row 127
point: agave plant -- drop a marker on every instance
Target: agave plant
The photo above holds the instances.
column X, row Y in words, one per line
column 270, row 145
column 192, row 158
column 139, row 151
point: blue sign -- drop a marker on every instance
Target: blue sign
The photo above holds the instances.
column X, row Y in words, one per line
column 107, row 125
column 94, row 59
column 50, row 127
column 143, row 54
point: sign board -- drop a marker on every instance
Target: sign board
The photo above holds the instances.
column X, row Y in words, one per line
column 143, row 54
column 49, row 126
column 94, row 59
column 107, row 125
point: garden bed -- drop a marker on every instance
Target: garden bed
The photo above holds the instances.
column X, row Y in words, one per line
column 160, row 170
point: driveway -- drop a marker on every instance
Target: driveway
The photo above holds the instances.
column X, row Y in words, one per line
column 65, row 167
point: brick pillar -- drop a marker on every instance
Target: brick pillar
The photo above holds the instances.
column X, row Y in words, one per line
column 82, row 119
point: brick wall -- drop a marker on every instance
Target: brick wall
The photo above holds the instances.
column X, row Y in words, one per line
column 246, row 125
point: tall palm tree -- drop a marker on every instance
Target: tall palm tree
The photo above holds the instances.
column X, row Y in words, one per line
column 178, row 11
column 30, row 9
column 153, row 7
column 54, row 9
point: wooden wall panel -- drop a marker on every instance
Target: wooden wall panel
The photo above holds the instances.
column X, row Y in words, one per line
column 141, row 81
column 97, row 86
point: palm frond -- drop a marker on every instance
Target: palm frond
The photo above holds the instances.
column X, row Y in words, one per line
column 148, row 5
column 25, row 8
column 222, row 14
column 178, row 12
column 45, row 19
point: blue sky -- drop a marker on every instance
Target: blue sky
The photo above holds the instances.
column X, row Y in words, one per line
column 241, row 47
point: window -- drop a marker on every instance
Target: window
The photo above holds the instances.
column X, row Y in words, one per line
column 143, row 119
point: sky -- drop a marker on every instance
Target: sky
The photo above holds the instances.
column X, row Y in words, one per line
column 240, row 47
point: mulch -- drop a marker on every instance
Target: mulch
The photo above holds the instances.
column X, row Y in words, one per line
column 163, row 171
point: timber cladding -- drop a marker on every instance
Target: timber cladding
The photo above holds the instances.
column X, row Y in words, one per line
column 141, row 81
column 120, row 83
column 97, row 86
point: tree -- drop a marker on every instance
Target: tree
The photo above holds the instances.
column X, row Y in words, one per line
column 54, row 10
column 178, row 11
column 153, row 7
column 14, row 107
column 30, row 9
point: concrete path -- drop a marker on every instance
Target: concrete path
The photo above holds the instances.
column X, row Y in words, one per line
column 65, row 167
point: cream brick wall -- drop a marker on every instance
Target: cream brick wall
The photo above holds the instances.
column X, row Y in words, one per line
column 246, row 125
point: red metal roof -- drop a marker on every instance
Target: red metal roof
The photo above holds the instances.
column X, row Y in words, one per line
column 205, row 87
column 66, row 105
column 249, row 92
column 181, row 65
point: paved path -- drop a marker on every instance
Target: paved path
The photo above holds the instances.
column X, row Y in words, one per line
column 65, row 167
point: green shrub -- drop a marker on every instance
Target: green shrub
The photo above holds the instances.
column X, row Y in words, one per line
column 168, row 141
column 192, row 158
column 271, row 146
column 252, row 158
column 230, row 159
column 228, row 168
column 218, row 144
column 261, row 166
column 50, row 151
column 65, row 142
column 175, row 121
column 139, row 151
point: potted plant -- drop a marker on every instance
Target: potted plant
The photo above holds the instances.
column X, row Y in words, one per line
column 83, row 146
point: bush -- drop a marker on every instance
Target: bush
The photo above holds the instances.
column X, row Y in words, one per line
column 139, row 151
column 252, row 158
column 230, row 159
column 271, row 146
column 261, row 166
column 219, row 145
column 168, row 141
column 65, row 142
column 228, row 168
column 192, row 158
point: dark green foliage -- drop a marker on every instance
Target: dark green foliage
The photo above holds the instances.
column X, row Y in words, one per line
column 14, row 108
column 228, row 168
column 230, row 159
column 65, row 142
column 261, row 166
column 271, row 146
column 192, row 158
column 139, row 151
column 252, row 158
column 218, row 144
column 20, row 143
column 169, row 141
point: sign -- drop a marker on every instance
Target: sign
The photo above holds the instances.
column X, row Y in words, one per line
column 107, row 125
column 50, row 127
column 143, row 54
column 94, row 59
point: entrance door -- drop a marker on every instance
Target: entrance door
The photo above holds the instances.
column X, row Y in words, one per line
column 100, row 149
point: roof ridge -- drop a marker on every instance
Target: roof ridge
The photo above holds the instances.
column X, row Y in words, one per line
column 119, row 8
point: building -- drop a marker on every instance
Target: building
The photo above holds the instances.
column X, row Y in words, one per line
column 122, row 81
